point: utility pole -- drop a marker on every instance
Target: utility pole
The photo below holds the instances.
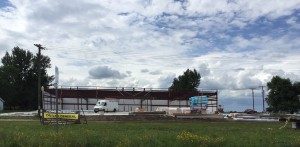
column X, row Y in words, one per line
column 252, row 97
column 40, row 47
column 263, row 97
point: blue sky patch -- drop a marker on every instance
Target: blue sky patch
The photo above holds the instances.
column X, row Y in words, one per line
column 4, row 3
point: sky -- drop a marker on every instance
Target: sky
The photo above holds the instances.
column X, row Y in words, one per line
column 234, row 44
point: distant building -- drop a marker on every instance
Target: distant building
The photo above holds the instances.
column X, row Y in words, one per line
column 1, row 104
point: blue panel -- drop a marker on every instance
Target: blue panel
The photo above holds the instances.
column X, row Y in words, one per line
column 198, row 102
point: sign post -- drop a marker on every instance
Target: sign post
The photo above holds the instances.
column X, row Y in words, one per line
column 43, row 104
column 56, row 93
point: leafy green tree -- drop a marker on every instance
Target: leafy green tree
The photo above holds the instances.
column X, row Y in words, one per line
column 189, row 81
column 283, row 95
column 18, row 78
column 6, row 84
column 297, row 88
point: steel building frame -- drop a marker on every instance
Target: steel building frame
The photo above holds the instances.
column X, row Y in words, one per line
column 144, row 95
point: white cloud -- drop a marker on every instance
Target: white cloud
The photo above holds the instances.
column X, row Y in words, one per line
column 74, row 82
column 144, row 70
column 104, row 72
column 293, row 22
column 148, row 43
column 166, row 81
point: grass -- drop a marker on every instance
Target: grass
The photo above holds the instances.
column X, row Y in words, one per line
column 143, row 134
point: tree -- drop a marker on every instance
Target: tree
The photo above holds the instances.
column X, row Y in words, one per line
column 297, row 88
column 189, row 81
column 18, row 78
column 283, row 95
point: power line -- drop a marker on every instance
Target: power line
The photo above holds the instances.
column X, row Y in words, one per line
column 123, row 62
column 160, row 61
column 162, row 56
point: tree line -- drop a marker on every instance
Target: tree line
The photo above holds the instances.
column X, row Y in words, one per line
column 283, row 95
column 19, row 78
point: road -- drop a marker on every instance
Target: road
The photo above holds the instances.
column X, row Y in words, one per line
column 87, row 113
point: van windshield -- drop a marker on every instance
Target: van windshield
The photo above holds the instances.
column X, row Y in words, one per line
column 101, row 103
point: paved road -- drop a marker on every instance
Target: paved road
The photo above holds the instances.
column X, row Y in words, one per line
column 88, row 113
column 106, row 113
column 31, row 113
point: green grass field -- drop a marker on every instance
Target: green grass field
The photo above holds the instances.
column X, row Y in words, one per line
column 152, row 134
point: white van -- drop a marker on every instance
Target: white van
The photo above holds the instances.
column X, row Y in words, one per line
column 106, row 105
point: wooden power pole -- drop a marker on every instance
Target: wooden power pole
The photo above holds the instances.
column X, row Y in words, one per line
column 40, row 47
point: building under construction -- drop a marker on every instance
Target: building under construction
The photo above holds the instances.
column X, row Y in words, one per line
column 148, row 99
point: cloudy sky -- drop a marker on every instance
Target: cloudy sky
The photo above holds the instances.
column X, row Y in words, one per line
column 235, row 45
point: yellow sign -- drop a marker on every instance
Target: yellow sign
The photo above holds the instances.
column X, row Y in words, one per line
column 61, row 115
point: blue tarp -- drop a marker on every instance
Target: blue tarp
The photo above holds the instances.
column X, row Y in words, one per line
column 198, row 102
